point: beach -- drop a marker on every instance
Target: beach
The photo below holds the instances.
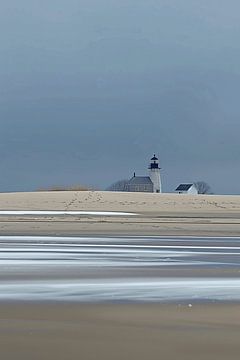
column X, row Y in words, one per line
column 168, row 266
column 165, row 214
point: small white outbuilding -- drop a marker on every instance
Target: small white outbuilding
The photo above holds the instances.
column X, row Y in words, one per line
column 187, row 189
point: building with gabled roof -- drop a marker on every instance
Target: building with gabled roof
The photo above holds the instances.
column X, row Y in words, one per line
column 187, row 189
column 140, row 183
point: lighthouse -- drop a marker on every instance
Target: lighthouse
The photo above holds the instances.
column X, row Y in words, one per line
column 154, row 174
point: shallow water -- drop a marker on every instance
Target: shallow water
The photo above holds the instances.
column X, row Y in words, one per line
column 136, row 269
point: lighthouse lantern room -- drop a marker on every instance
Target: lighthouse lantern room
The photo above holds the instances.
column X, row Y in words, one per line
column 154, row 174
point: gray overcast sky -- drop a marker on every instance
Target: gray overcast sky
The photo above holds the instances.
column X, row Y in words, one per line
column 89, row 89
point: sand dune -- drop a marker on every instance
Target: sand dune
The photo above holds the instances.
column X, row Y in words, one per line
column 146, row 203
column 158, row 214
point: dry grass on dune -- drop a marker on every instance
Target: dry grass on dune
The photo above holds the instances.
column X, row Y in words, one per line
column 66, row 188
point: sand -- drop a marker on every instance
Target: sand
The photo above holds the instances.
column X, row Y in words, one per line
column 107, row 332
column 146, row 203
column 116, row 331
column 158, row 214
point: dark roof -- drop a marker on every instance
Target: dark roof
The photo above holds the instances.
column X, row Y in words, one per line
column 184, row 187
column 154, row 157
column 140, row 180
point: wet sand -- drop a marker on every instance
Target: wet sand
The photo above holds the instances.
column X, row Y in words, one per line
column 59, row 329
column 50, row 331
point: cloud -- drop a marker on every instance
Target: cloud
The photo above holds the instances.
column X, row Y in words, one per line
column 89, row 90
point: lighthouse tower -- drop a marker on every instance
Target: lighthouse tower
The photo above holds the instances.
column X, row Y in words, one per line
column 154, row 174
